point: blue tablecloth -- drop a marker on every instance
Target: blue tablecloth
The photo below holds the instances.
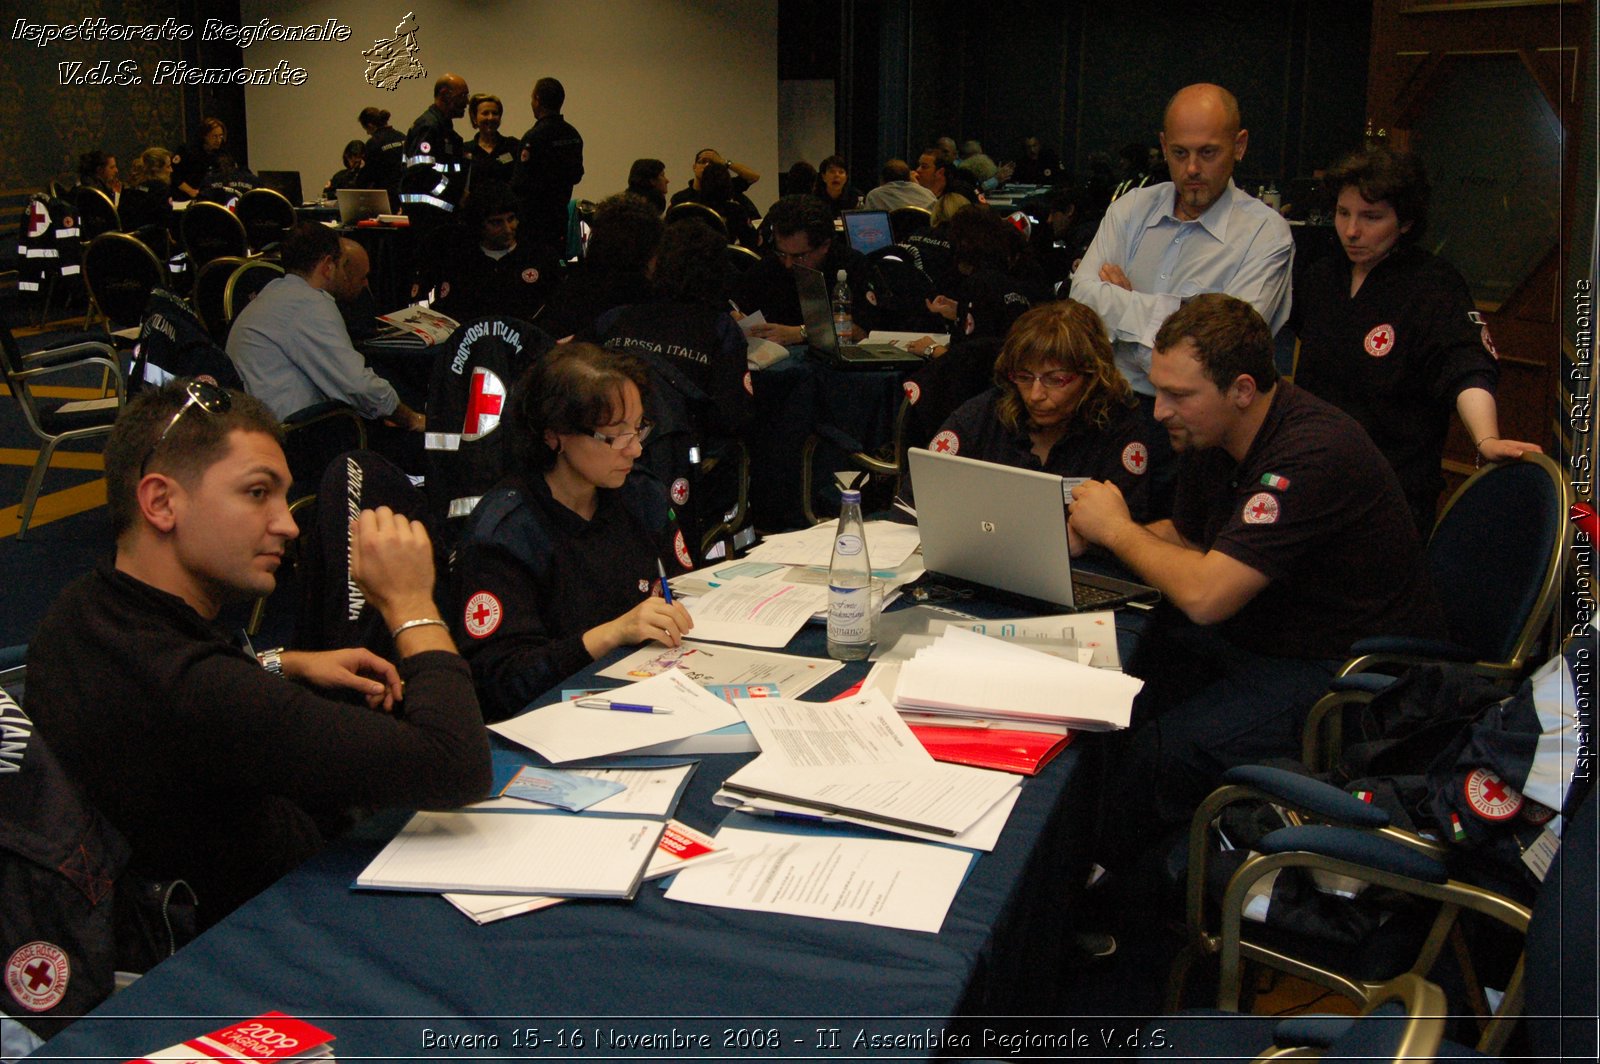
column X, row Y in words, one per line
column 391, row 973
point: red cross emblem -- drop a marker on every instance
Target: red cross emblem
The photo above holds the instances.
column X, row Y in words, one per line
column 679, row 490
column 1379, row 341
column 484, row 403
column 483, row 615
column 1135, row 457
column 38, row 219
column 424, row 148
column 749, row 383
column 913, row 391
column 1490, row 796
column 530, row 275
column 680, row 550
column 946, row 442
column 1261, row 509
column 37, row 975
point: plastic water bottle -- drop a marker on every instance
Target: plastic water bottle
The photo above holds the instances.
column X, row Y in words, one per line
column 843, row 323
column 850, row 615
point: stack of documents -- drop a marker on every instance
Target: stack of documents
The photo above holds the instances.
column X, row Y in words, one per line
column 888, row 545
column 856, row 761
column 965, row 674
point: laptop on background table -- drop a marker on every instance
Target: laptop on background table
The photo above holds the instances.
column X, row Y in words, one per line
column 359, row 204
column 1002, row 527
column 817, row 310
column 867, row 231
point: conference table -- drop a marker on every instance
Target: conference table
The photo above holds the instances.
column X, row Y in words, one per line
column 399, row 976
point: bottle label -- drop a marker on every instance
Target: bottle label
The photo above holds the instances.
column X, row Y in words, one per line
column 848, row 545
column 849, row 614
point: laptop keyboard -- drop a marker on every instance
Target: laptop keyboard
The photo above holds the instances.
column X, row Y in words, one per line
column 1086, row 596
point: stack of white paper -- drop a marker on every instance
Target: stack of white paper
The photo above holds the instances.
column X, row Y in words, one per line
column 888, row 544
column 857, row 759
column 968, row 674
column 756, row 613
column 511, row 853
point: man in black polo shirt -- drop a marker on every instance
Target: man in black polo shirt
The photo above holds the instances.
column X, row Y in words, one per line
column 434, row 158
column 1289, row 540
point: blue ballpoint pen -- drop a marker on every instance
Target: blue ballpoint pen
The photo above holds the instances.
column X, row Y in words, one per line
column 621, row 707
column 666, row 592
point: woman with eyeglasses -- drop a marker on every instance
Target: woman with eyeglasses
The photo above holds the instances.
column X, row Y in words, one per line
column 561, row 562
column 1058, row 404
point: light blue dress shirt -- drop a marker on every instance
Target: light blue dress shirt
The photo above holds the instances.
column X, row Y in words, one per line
column 1239, row 246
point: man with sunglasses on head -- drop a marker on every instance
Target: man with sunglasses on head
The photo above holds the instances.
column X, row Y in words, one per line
column 220, row 766
column 290, row 344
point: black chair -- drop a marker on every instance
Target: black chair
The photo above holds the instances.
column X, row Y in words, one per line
column 244, row 284
column 210, row 294
column 738, row 258
column 58, row 421
column 267, row 216
column 121, row 272
column 886, row 463
column 904, row 221
column 313, row 437
column 700, row 212
column 96, row 213
column 210, row 231
column 1496, row 556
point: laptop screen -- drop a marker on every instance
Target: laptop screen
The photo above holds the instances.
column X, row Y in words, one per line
column 817, row 309
column 993, row 524
column 356, row 204
column 868, row 230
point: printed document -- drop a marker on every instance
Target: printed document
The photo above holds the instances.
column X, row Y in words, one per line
column 711, row 665
column 758, row 613
column 886, row 883
column 888, row 544
column 568, row 732
column 857, row 757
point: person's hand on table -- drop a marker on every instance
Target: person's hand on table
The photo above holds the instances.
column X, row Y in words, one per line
column 925, row 345
column 786, row 335
column 654, row 619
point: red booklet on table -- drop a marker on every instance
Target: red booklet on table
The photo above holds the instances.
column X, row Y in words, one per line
column 1022, row 752
column 272, row 1036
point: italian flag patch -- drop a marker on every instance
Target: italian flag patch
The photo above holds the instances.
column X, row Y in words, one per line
column 1455, row 827
column 1273, row 480
column 1365, row 796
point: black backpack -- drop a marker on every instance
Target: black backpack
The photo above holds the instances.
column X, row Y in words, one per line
column 71, row 915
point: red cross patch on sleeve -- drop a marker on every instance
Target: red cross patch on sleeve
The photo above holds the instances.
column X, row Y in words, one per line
column 1260, row 509
column 1490, row 796
column 530, row 275
column 749, row 383
column 680, row 550
column 947, row 442
column 913, row 391
column 483, row 615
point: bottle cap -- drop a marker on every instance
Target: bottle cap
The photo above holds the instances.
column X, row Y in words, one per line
column 850, row 495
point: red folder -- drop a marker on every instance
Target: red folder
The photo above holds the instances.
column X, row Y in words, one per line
column 1022, row 752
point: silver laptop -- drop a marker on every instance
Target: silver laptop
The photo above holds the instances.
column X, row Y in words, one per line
column 817, row 310
column 359, row 204
column 1003, row 527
